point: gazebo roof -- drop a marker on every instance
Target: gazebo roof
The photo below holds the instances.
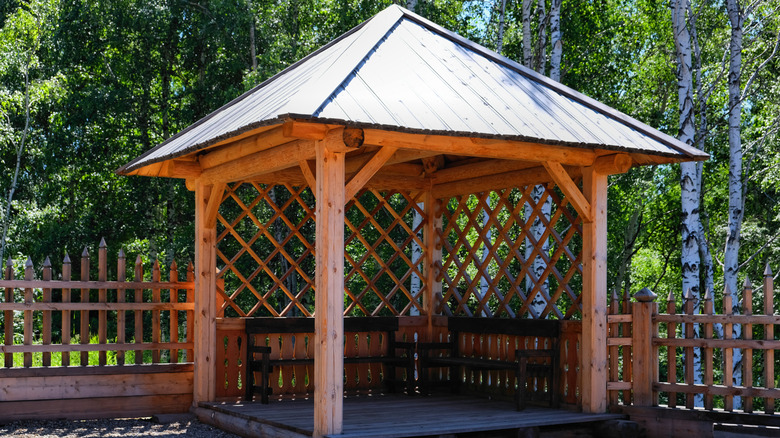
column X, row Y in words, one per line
column 401, row 72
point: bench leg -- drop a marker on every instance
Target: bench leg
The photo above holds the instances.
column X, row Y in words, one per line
column 522, row 364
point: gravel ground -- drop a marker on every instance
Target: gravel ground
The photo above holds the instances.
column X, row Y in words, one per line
column 133, row 427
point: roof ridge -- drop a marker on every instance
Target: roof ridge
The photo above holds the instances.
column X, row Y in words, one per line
column 318, row 92
column 558, row 87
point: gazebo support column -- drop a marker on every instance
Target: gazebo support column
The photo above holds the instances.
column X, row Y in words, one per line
column 594, row 294
column 207, row 200
column 329, row 282
column 433, row 213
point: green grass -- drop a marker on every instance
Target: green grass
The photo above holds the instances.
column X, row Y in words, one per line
column 93, row 357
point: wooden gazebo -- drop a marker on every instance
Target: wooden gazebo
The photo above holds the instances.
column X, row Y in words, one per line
column 401, row 104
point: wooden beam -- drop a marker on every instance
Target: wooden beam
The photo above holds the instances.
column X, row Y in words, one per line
column 594, row 295
column 613, row 164
column 212, row 207
column 243, row 147
column 382, row 180
column 570, row 189
column 258, row 163
column 368, row 171
column 306, row 130
column 181, row 169
column 479, row 169
column 205, row 327
column 307, row 169
column 518, row 178
column 481, row 147
column 329, row 287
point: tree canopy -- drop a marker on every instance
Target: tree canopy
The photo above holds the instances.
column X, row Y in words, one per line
column 86, row 86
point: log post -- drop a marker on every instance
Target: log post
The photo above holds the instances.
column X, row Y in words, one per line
column 594, row 294
column 645, row 362
column 433, row 224
column 329, row 287
column 205, row 322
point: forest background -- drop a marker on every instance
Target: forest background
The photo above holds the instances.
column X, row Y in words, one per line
column 85, row 86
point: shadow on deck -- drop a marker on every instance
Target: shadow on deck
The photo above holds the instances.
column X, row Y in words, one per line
column 392, row 416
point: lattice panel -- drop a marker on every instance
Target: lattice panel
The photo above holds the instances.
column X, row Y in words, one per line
column 514, row 253
column 384, row 254
column 265, row 252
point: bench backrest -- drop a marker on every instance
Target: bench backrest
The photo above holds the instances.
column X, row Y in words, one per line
column 306, row 325
column 523, row 327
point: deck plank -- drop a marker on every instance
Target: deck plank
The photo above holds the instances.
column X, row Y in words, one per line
column 368, row 417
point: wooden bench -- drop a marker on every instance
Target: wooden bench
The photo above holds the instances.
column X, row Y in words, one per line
column 526, row 363
column 259, row 358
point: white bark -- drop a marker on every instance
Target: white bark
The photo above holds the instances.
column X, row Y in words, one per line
column 411, row 4
column 500, row 37
column 484, row 281
column 541, row 65
column 736, row 200
column 537, row 229
column 252, row 39
column 690, row 177
column 527, row 52
column 19, row 147
column 414, row 287
column 556, row 41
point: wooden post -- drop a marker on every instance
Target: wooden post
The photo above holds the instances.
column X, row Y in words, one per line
column 747, row 353
column 645, row 362
column 594, row 294
column 66, row 315
column 689, row 334
column 84, row 326
column 671, row 352
column 102, row 298
column 138, row 315
column 433, row 213
column 769, row 334
column 121, row 317
column 205, row 322
column 709, row 309
column 156, row 330
column 173, row 325
column 329, row 302
column 28, row 314
column 614, row 351
column 728, row 353
column 46, row 314
column 8, row 315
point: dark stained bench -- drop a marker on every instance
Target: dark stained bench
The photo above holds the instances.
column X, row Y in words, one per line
column 540, row 362
column 259, row 354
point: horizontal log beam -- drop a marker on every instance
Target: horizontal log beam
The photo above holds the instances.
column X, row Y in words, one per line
column 244, row 147
column 482, row 147
column 476, row 170
column 517, row 178
column 258, row 163
column 612, row 164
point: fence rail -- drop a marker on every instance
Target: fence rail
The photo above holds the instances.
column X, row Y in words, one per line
column 687, row 359
column 149, row 318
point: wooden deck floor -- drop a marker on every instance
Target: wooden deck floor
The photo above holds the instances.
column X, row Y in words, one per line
column 389, row 417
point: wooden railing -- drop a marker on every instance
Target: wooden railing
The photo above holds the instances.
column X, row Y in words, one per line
column 652, row 355
column 120, row 305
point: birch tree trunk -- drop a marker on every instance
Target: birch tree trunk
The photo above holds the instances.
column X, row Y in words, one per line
column 736, row 200
column 252, row 39
column 484, row 282
column 19, row 147
column 527, row 52
column 556, row 40
column 500, row 37
column 537, row 229
column 415, row 283
column 541, row 65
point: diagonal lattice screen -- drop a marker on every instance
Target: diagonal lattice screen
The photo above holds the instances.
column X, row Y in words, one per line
column 265, row 252
column 513, row 253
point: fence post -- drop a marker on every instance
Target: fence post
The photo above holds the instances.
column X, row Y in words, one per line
column 9, row 314
column 645, row 362
column 28, row 314
column 769, row 334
